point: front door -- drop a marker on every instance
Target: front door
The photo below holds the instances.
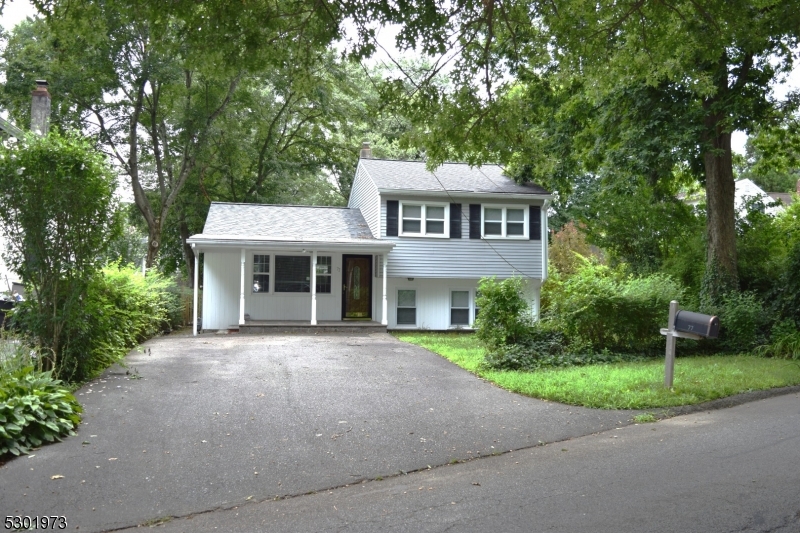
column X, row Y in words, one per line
column 357, row 287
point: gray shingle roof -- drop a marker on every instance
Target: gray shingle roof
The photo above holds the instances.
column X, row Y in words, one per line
column 453, row 177
column 286, row 223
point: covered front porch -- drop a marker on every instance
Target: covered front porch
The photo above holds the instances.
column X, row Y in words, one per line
column 269, row 287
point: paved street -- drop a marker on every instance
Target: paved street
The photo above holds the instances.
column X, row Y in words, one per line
column 723, row 471
column 217, row 421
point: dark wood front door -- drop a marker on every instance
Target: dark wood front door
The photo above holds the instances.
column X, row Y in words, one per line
column 357, row 287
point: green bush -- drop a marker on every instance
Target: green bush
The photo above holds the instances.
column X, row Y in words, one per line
column 543, row 347
column 34, row 407
column 742, row 322
column 784, row 342
column 505, row 315
column 121, row 308
column 611, row 310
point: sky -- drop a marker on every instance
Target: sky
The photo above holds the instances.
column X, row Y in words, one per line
column 16, row 11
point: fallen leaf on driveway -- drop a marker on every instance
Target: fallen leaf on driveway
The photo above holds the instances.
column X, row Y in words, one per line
column 59, row 476
column 112, row 458
column 259, row 395
column 248, row 498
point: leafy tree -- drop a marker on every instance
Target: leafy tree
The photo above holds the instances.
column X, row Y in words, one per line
column 714, row 59
column 773, row 156
column 55, row 208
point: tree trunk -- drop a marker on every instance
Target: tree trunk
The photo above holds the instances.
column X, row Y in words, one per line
column 153, row 243
column 721, row 272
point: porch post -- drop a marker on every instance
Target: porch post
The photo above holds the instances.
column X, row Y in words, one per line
column 384, row 309
column 196, row 277
column 241, row 293
column 314, row 288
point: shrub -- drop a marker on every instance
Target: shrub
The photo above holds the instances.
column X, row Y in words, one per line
column 34, row 407
column 121, row 309
column 742, row 321
column 505, row 315
column 784, row 342
column 610, row 309
column 56, row 200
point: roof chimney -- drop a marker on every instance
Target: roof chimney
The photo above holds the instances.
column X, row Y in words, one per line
column 40, row 108
column 366, row 151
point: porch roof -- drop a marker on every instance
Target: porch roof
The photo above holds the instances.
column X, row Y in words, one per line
column 286, row 226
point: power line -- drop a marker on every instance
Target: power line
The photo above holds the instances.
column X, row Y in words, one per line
column 452, row 200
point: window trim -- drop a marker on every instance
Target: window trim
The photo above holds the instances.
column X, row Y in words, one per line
column 253, row 273
column 397, row 306
column 423, row 220
column 504, row 221
column 330, row 275
column 470, row 319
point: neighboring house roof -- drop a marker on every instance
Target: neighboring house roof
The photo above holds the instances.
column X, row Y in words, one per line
column 785, row 197
column 746, row 190
column 390, row 175
column 11, row 129
column 232, row 222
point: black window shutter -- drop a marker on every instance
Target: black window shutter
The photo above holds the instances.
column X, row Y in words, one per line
column 455, row 221
column 392, row 212
column 535, row 223
column 474, row 221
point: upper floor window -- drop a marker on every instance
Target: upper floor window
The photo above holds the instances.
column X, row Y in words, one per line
column 505, row 222
column 428, row 220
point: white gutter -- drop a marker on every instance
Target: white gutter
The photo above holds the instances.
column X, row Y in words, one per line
column 199, row 240
column 467, row 194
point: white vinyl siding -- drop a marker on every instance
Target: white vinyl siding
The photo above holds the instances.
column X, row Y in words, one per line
column 433, row 300
column 221, row 285
column 462, row 258
column 364, row 196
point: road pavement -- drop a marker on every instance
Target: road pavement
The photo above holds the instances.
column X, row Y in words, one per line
column 722, row 471
column 213, row 422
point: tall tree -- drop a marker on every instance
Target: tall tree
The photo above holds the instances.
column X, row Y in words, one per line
column 720, row 55
column 154, row 79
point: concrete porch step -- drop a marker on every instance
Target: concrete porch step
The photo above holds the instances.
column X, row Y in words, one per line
column 262, row 327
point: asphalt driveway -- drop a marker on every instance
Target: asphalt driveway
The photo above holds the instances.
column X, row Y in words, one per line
column 211, row 422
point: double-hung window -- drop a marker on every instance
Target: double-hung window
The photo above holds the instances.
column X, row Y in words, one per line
column 424, row 220
column 406, row 307
column 260, row 273
column 505, row 222
column 459, row 308
column 324, row 265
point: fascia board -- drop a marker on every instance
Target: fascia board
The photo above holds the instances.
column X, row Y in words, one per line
column 467, row 194
column 201, row 242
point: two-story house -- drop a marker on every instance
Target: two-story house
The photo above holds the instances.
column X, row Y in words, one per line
column 407, row 252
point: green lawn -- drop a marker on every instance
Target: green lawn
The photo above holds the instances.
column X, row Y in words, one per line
column 621, row 385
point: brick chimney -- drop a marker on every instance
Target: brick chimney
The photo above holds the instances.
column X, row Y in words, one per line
column 366, row 151
column 40, row 108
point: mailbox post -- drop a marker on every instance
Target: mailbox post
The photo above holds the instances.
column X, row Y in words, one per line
column 685, row 325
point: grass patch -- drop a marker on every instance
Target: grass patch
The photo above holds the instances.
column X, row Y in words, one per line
column 636, row 385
